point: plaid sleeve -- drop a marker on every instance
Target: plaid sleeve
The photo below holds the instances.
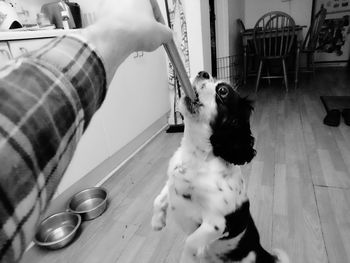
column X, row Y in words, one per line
column 47, row 99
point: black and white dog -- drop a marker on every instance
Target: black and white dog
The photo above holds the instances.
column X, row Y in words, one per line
column 205, row 190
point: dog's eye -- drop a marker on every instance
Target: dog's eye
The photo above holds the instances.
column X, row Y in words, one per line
column 223, row 91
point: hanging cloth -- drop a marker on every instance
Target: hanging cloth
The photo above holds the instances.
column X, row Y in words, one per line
column 179, row 26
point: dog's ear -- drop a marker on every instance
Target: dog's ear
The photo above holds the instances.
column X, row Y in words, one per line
column 232, row 139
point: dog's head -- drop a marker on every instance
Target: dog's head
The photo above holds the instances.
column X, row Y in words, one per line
column 220, row 110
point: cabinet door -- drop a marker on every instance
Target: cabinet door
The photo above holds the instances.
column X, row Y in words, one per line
column 20, row 47
column 5, row 54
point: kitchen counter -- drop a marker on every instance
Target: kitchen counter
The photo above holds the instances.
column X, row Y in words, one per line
column 34, row 34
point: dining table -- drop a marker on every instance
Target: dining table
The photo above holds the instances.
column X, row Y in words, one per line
column 248, row 37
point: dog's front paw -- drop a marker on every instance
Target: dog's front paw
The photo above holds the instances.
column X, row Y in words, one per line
column 160, row 206
column 158, row 221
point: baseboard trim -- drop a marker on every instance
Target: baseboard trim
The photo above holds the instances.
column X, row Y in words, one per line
column 331, row 64
column 109, row 167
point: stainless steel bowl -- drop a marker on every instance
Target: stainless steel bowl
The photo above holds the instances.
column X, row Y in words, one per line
column 57, row 230
column 89, row 203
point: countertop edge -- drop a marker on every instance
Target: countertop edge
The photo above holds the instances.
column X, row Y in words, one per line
column 34, row 34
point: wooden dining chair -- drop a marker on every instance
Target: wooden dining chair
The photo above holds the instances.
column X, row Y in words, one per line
column 309, row 45
column 273, row 36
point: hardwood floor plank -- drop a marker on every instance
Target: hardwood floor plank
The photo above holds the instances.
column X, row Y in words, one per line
column 129, row 254
column 332, row 177
column 295, row 210
column 260, row 196
column 335, row 218
column 296, row 224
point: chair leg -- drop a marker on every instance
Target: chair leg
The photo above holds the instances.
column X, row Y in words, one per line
column 259, row 75
column 285, row 74
column 307, row 61
column 313, row 63
column 268, row 74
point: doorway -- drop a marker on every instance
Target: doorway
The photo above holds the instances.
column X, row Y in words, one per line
column 212, row 19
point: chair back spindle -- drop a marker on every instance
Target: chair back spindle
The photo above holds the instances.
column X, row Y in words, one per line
column 241, row 25
column 274, row 35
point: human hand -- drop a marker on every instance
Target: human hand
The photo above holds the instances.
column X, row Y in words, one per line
column 126, row 26
column 139, row 19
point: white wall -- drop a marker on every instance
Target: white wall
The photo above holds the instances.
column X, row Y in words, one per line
column 236, row 10
column 228, row 11
column 206, row 35
column 300, row 10
column 137, row 97
column 227, row 32
column 222, row 29
column 198, row 27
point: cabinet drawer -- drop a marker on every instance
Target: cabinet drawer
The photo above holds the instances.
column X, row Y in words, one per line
column 20, row 47
column 5, row 53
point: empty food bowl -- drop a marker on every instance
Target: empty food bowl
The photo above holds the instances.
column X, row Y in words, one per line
column 89, row 203
column 57, row 230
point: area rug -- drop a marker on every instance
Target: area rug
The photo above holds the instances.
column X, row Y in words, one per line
column 335, row 102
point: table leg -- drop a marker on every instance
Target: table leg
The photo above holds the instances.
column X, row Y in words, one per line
column 245, row 65
column 297, row 65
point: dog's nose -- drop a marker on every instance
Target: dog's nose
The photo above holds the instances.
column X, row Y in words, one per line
column 204, row 75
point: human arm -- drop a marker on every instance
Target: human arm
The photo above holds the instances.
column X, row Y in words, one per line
column 47, row 99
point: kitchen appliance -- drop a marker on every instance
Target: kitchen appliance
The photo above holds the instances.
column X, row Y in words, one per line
column 8, row 17
column 54, row 13
column 75, row 10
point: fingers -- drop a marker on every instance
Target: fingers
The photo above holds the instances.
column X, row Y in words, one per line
column 165, row 33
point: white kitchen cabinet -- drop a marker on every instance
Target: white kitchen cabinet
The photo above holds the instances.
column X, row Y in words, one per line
column 5, row 54
column 20, row 47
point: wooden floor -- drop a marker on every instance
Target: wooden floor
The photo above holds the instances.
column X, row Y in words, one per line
column 298, row 185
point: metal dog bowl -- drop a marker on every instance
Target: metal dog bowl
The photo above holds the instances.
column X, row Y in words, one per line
column 89, row 203
column 57, row 230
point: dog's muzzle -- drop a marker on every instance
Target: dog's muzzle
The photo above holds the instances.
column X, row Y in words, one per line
column 203, row 75
column 192, row 106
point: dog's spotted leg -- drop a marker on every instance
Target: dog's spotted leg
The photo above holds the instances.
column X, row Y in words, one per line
column 160, row 207
column 210, row 230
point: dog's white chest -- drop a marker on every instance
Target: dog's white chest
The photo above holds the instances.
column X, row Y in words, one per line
column 197, row 186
